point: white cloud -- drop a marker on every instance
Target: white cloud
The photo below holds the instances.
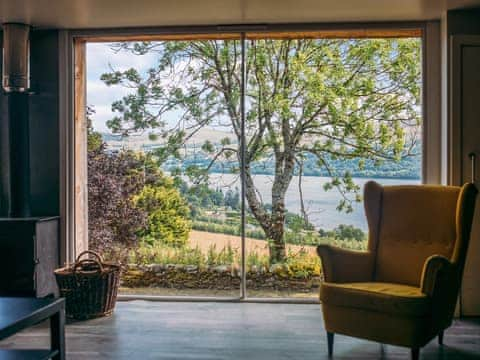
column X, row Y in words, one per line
column 100, row 117
column 101, row 55
column 101, row 59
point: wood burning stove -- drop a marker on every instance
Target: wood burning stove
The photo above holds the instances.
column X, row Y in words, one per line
column 28, row 245
column 28, row 256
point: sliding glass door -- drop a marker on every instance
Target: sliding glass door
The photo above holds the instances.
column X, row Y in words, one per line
column 216, row 163
column 167, row 116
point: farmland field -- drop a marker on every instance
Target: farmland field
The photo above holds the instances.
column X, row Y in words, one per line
column 204, row 240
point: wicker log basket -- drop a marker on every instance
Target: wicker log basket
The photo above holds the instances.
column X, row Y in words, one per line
column 90, row 286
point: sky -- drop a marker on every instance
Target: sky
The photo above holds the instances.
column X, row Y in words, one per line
column 100, row 59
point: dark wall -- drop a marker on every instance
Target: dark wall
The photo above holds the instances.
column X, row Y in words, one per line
column 463, row 22
column 44, row 135
column 4, row 148
column 4, row 154
column 44, row 125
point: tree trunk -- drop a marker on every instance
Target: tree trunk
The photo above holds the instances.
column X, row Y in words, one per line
column 284, row 167
column 275, row 235
column 272, row 224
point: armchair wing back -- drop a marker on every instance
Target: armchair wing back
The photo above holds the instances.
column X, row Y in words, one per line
column 408, row 224
column 416, row 230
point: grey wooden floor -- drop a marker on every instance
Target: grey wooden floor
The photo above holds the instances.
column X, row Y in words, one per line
column 246, row 331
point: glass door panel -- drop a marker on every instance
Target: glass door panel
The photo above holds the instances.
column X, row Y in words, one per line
column 323, row 117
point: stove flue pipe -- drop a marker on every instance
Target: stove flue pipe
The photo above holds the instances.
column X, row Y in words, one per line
column 16, row 56
column 15, row 82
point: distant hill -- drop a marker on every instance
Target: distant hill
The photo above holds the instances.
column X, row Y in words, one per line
column 144, row 143
column 408, row 168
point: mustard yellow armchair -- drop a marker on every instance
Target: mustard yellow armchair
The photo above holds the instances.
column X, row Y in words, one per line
column 404, row 289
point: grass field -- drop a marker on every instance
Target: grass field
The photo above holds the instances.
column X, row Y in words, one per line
column 204, row 240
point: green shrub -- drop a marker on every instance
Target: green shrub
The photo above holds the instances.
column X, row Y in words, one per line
column 226, row 256
column 168, row 214
column 254, row 259
column 163, row 254
column 303, row 264
column 297, row 222
column 344, row 232
column 302, row 237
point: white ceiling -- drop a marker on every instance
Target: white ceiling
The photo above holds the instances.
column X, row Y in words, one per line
column 137, row 13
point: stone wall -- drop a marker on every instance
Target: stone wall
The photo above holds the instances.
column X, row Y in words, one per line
column 222, row 277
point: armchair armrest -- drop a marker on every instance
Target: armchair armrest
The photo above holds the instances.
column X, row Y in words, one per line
column 340, row 265
column 435, row 266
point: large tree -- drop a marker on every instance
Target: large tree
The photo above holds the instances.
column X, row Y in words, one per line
column 321, row 98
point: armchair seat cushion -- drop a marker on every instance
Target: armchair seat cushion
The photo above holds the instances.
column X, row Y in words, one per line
column 395, row 299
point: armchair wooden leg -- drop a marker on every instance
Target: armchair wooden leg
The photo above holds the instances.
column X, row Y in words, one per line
column 440, row 338
column 330, row 337
column 415, row 354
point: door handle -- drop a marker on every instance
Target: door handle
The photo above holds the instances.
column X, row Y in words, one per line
column 473, row 159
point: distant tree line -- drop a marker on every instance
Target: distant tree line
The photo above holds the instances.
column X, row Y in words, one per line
column 406, row 168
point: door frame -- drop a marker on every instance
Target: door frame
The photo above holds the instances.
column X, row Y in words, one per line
column 73, row 125
column 458, row 161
